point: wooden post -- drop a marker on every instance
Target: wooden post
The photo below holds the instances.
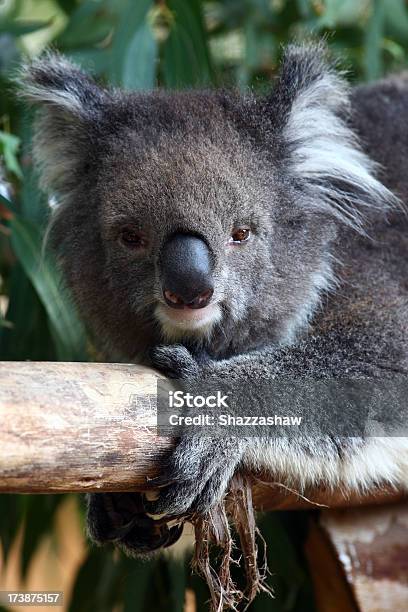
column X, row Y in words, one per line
column 358, row 559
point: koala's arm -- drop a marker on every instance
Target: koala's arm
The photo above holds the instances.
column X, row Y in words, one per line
column 369, row 345
column 198, row 471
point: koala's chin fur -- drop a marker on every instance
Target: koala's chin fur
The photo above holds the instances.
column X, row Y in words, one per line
column 317, row 172
column 197, row 327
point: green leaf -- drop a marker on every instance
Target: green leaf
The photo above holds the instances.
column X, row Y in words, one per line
column 11, row 514
column 29, row 336
column 373, row 61
column 340, row 13
column 41, row 270
column 396, row 16
column 23, row 27
column 177, row 580
column 137, row 582
column 98, row 583
column 91, row 59
column 7, row 203
column 178, row 71
column 5, row 323
column 305, row 8
column 33, row 202
column 186, row 59
column 39, row 516
column 89, row 25
column 139, row 66
column 68, row 6
column 9, row 146
column 291, row 584
column 132, row 19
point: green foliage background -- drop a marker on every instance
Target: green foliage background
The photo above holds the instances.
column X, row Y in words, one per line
column 141, row 44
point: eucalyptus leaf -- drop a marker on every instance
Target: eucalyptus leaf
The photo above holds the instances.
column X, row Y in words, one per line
column 39, row 516
column 98, row 583
column 139, row 66
column 33, row 203
column 11, row 514
column 68, row 6
column 28, row 337
column 7, row 203
column 137, row 578
column 396, row 17
column 42, row 271
column 132, row 19
column 5, row 323
column 93, row 60
column 373, row 61
column 9, row 146
column 23, row 27
column 340, row 13
column 88, row 25
column 186, row 58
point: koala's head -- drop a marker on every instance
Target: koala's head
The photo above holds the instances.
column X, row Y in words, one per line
column 198, row 216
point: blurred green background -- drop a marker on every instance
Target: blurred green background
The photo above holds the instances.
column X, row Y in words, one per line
column 141, row 44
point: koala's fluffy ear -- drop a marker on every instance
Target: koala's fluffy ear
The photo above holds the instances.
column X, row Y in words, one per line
column 70, row 105
column 310, row 103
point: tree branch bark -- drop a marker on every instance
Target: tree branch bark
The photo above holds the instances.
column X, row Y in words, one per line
column 91, row 427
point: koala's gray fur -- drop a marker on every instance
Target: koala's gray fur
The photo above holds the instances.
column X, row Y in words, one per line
column 319, row 291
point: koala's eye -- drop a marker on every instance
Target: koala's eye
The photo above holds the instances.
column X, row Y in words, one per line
column 132, row 238
column 239, row 235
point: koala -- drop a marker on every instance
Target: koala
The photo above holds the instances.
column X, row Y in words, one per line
column 236, row 236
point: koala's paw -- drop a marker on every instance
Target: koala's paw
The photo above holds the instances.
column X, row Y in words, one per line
column 120, row 518
column 174, row 361
column 195, row 477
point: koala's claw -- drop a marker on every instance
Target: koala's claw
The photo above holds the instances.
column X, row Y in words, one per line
column 196, row 476
column 141, row 540
column 190, row 497
column 121, row 518
column 174, row 361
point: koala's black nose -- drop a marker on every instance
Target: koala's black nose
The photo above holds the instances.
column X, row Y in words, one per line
column 186, row 268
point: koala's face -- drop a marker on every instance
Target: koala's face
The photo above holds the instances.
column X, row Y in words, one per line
column 198, row 217
column 202, row 237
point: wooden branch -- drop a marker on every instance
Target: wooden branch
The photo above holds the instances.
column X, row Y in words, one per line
column 77, row 427
column 91, row 427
